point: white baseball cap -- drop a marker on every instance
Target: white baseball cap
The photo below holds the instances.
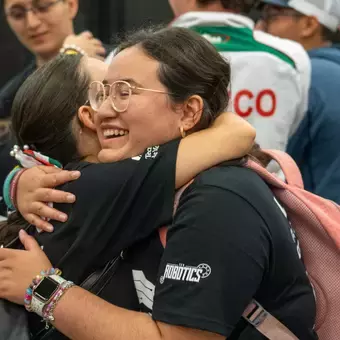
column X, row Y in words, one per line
column 326, row 11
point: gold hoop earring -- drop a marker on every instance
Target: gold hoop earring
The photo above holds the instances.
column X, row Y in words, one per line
column 183, row 134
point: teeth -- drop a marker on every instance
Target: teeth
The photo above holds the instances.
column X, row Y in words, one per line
column 111, row 132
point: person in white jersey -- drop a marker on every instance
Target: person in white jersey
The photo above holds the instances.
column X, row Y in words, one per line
column 315, row 145
column 270, row 76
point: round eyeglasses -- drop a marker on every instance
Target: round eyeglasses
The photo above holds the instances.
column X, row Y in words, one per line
column 119, row 94
column 19, row 12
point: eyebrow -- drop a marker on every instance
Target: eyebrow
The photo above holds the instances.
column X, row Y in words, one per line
column 128, row 80
column 132, row 82
column 16, row 4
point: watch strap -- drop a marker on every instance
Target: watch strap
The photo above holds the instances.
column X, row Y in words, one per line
column 37, row 306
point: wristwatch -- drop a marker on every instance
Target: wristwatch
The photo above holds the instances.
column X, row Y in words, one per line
column 44, row 292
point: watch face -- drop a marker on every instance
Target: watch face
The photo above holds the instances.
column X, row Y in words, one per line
column 46, row 288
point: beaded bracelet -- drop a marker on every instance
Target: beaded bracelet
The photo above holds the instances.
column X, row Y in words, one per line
column 13, row 187
column 49, row 309
column 6, row 188
column 34, row 284
column 76, row 49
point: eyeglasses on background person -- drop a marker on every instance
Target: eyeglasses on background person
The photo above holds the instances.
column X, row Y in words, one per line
column 19, row 12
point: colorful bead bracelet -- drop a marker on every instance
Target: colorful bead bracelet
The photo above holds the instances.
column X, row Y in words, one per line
column 34, row 284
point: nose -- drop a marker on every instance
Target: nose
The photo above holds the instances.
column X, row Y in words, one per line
column 106, row 111
column 32, row 20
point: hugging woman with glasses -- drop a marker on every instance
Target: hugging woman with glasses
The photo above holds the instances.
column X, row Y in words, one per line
column 118, row 204
column 228, row 243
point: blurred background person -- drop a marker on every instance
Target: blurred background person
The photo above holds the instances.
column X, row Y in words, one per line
column 270, row 76
column 42, row 26
column 315, row 146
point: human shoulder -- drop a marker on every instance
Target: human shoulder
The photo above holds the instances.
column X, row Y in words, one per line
column 8, row 91
column 288, row 51
column 237, row 179
column 225, row 189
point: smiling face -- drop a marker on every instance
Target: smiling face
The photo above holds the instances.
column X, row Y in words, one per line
column 149, row 118
column 41, row 31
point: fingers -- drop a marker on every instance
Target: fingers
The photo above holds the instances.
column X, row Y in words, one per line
column 45, row 211
column 49, row 169
column 28, row 241
column 5, row 254
column 52, row 180
column 99, row 47
column 100, row 51
column 97, row 42
column 39, row 222
column 54, row 196
column 86, row 34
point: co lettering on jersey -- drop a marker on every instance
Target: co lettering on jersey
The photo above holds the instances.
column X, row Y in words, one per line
column 247, row 102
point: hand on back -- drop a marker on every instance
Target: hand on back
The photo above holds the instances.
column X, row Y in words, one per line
column 35, row 188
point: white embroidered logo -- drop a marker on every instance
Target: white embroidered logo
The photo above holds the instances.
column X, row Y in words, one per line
column 181, row 272
column 144, row 288
column 213, row 39
column 151, row 152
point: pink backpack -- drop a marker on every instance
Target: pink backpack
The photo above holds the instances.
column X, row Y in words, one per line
column 316, row 222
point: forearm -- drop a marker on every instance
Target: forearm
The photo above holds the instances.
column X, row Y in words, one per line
column 81, row 315
column 206, row 148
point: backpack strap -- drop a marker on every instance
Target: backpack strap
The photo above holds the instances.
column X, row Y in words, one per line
column 266, row 323
column 288, row 166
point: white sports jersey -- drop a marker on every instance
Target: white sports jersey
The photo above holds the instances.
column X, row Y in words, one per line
column 270, row 76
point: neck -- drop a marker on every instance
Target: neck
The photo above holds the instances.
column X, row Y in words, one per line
column 312, row 44
column 88, row 146
column 212, row 7
column 91, row 159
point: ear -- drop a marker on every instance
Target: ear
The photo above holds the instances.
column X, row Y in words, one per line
column 192, row 111
column 73, row 6
column 310, row 26
column 86, row 116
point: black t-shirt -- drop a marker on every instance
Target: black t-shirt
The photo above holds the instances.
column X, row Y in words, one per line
column 118, row 205
column 230, row 243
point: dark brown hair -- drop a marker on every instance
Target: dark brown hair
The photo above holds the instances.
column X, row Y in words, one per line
column 46, row 104
column 328, row 35
column 238, row 6
column 42, row 114
column 189, row 65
